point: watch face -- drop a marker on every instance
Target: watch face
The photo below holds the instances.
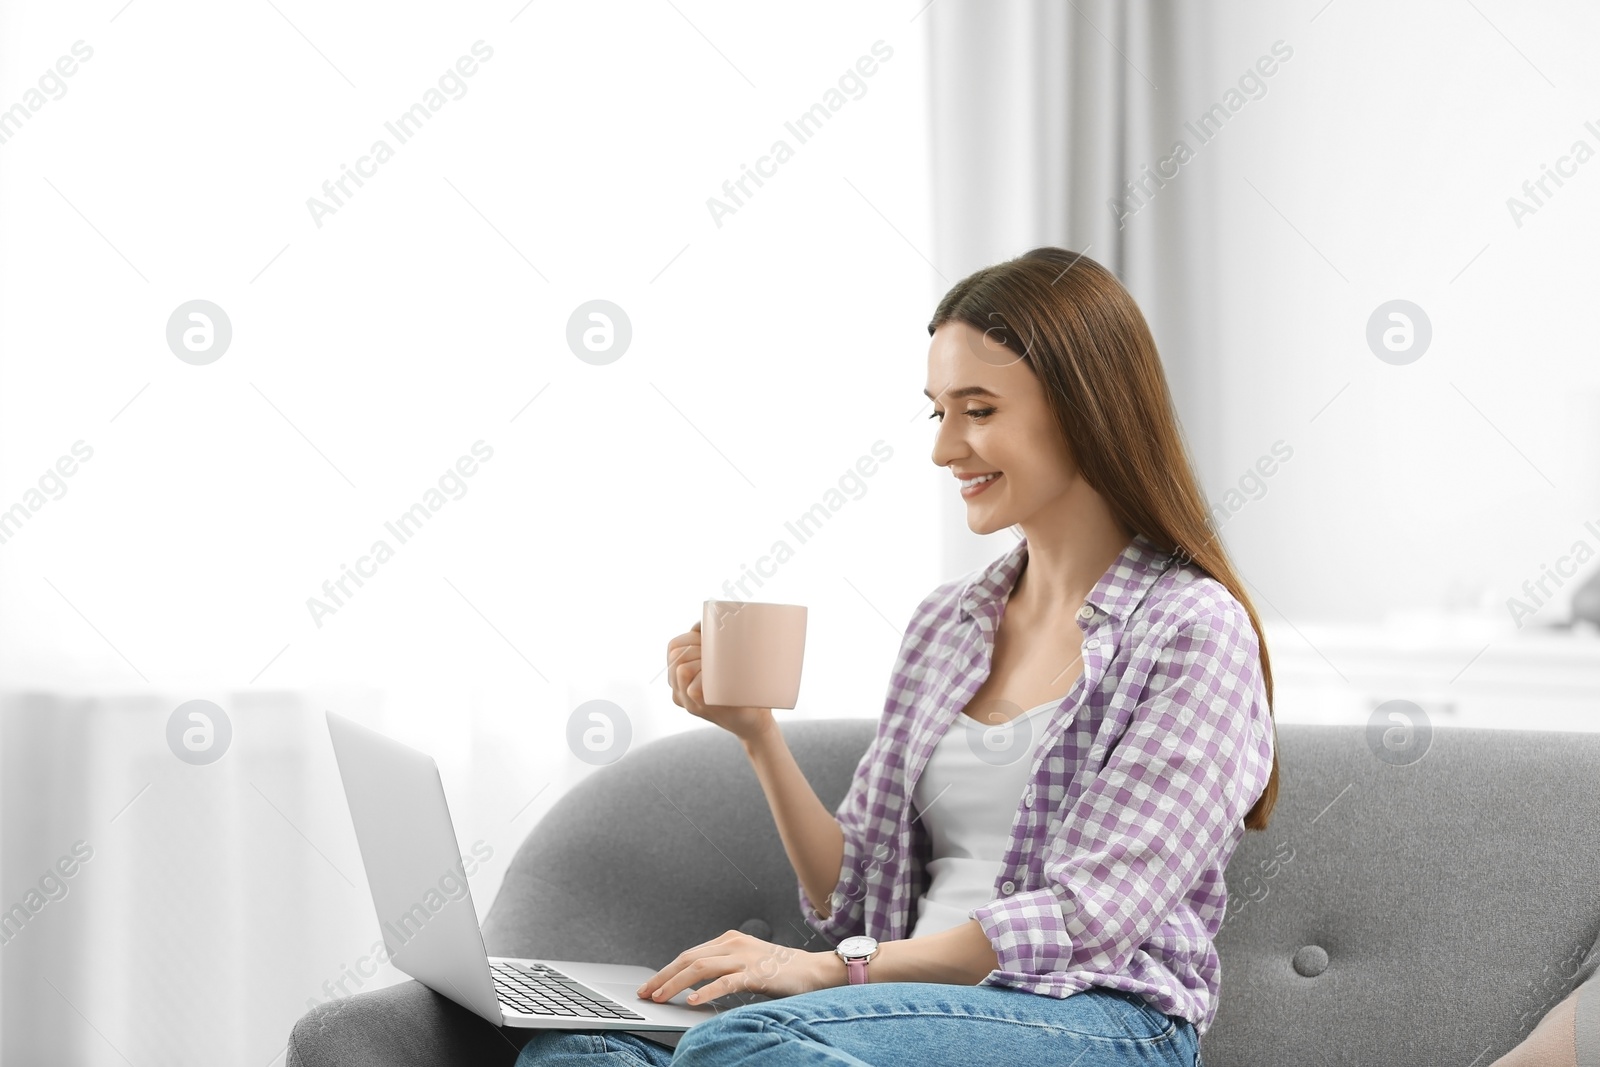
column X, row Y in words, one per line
column 858, row 946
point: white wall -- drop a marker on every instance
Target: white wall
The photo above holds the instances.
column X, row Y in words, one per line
column 1378, row 166
column 1386, row 553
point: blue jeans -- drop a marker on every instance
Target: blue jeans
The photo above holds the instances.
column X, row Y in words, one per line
column 889, row 1024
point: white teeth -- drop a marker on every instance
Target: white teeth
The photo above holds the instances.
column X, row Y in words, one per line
column 970, row 482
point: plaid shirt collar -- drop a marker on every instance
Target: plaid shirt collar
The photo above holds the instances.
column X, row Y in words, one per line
column 1117, row 592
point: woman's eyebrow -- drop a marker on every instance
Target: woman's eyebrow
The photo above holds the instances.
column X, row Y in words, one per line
column 966, row 390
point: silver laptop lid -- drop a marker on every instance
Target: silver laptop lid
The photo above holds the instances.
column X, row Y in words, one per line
column 413, row 862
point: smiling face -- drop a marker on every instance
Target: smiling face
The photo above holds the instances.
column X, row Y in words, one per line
column 994, row 419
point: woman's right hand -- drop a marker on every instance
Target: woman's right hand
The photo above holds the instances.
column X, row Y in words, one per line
column 683, row 673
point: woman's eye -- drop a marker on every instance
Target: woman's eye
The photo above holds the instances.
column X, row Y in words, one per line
column 976, row 413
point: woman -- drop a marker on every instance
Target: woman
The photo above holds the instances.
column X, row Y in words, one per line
column 1042, row 885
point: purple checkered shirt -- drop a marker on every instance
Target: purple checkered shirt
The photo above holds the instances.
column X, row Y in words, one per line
column 1141, row 780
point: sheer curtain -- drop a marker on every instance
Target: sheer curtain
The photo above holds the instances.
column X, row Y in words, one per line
column 210, row 896
column 1043, row 114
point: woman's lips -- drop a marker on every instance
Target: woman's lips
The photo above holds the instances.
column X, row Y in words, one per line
column 970, row 492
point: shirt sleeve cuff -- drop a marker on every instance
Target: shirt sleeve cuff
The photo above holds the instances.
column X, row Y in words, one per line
column 1027, row 931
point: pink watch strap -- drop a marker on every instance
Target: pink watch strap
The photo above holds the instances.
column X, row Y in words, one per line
column 858, row 971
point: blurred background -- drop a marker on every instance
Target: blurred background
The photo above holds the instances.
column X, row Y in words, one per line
column 578, row 309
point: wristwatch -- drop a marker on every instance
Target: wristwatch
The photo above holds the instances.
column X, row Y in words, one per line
column 857, row 952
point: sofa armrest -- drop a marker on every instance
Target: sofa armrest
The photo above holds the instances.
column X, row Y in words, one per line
column 404, row 1025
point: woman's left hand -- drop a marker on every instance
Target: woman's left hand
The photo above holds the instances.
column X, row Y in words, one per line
column 738, row 962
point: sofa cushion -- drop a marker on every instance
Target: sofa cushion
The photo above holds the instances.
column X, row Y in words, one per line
column 1409, row 911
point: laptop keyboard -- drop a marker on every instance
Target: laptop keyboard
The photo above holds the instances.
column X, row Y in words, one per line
column 541, row 990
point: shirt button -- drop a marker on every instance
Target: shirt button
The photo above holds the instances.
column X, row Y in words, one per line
column 1093, row 642
column 1086, row 612
column 1008, row 887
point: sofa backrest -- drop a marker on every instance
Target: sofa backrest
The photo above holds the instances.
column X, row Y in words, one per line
column 1409, row 913
column 666, row 848
column 1392, row 913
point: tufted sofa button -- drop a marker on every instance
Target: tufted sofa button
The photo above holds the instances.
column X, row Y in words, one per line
column 1311, row 961
column 756, row 928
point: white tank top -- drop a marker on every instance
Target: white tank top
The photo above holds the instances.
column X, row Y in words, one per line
column 974, row 802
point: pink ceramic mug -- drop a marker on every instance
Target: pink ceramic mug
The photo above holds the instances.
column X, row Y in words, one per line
column 751, row 654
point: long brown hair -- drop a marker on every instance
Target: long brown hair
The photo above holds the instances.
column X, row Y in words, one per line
column 1078, row 328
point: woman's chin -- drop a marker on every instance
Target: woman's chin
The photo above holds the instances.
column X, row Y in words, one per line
column 986, row 523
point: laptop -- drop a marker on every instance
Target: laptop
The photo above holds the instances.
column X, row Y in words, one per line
column 430, row 927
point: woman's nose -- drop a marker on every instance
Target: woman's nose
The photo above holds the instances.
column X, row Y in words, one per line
column 946, row 445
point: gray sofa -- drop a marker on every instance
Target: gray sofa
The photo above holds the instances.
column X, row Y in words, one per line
column 1391, row 915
